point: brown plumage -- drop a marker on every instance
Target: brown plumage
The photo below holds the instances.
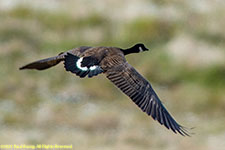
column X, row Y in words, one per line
column 91, row 61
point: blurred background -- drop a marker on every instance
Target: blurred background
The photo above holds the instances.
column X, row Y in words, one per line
column 185, row 65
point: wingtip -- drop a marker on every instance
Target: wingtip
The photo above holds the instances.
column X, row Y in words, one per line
column 186, row 132
column 22, row 68
column 25, row 67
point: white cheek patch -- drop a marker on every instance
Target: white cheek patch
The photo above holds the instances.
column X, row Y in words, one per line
column 140, row 49
column 79, row 65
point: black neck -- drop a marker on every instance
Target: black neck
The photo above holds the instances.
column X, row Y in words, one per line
column 128, row 51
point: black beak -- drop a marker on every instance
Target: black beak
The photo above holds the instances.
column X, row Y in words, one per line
column 146, row 49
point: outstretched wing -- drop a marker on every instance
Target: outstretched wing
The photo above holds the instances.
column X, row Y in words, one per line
column 52, row 61
column 128, row 80
column 43, row 63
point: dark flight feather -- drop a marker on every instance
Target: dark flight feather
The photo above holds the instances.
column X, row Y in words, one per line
column 128, row 80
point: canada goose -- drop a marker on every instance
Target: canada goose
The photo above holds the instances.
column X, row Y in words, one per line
column 91, row 61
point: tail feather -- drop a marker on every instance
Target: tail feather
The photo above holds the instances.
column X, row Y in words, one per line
column 83, row 74
column 81, row 68
column 95, row 72
column 70, row 63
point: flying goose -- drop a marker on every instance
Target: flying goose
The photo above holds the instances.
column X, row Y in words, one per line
column 91, row 61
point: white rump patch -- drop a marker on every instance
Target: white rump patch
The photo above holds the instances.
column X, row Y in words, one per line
column 84, row 68
column 79, row 65
column 93, row 67
column 140, row 49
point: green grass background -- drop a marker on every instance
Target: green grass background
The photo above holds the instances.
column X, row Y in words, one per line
column 185, row 65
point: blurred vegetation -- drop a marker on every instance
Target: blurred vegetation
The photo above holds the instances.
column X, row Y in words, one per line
column 36, row 104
